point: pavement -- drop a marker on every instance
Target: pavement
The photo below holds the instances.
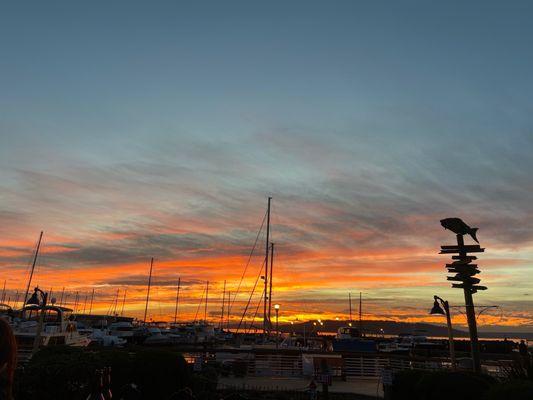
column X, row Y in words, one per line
column 363, row 386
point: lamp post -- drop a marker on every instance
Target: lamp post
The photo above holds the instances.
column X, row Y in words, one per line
column 276, row 307
column 445, row 310
column 34, row 299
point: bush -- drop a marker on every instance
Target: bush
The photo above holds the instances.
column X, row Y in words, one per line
column 62, row 372
column 405, row 383
column 511, row 390
column 446, row 385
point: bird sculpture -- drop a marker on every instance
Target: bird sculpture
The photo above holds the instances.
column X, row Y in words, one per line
column 459, row 227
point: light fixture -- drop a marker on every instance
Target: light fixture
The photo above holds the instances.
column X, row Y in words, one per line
column 437, row 309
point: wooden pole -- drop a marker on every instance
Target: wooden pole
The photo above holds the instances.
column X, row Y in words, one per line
column 470, row 314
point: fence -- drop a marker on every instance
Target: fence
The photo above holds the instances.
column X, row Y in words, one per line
column 345, row 365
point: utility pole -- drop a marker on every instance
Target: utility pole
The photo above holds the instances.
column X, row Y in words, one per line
column 148, row 292
column 266, row 321
column 32, row 269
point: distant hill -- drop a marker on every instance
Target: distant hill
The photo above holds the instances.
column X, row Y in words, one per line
column 376, row 327
column 395, row 328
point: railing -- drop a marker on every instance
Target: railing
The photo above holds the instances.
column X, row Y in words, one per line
column 276, row 365
column 348, row 365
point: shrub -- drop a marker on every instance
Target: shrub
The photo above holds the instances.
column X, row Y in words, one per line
column 446, row 385
column 511, row 390
column 404, row 384
column 62, row 372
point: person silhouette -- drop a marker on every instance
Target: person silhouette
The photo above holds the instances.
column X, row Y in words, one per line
column 8, row 360
column 522, row 348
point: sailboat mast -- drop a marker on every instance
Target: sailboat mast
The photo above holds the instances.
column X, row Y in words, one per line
column 270, row 283
column 148, row 292
column 32, row 269
column 116, row 302
column 229, row 299
column 222, row 311
column 76, row 300
column 91, row 305
column 360, row 312
column 85, row 303
column 206, row 298
column 350, row 302
column 3, row 292
column 266, row 322
column 177, row 301
column 61, row 298
column 123, row 302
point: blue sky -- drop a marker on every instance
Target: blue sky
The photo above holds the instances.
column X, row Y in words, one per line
column 366, row 116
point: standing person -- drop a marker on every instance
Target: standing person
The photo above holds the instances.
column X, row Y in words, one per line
column 8, row 360
column 522, row 349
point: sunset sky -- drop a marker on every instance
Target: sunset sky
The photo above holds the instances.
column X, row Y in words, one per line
column 131, row 130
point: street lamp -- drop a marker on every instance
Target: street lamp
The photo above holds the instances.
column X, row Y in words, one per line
column 34, row 299
column 445, row 310
column 276, row 307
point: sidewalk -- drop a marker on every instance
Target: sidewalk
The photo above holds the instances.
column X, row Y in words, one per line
column 367, row 386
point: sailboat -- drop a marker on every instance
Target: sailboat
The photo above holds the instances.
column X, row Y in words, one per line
column 57, row 327
column 350, row 338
